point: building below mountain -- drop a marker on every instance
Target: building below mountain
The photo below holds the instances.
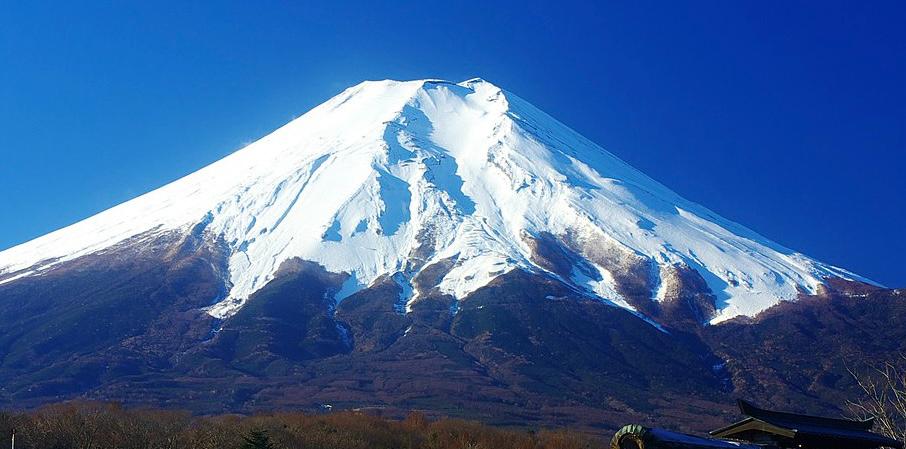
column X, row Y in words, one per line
column 763, row 429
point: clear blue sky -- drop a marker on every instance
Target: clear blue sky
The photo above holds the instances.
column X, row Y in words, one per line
column 789, row 117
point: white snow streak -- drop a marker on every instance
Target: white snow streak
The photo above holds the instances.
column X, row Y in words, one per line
column 353, row 183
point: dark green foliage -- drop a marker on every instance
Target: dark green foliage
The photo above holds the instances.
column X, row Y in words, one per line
column 257, row 439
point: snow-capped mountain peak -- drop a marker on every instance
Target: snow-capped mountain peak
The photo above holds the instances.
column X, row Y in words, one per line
column 388, row 178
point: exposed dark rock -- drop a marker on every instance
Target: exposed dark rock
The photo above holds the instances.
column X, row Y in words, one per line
column 289, row 320
column 795, row 355
column 372, row 317
column 106, row 316
column 687, row 299
column 527, row 348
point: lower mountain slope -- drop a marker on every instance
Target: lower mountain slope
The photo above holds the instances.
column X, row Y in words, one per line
column 528, row 347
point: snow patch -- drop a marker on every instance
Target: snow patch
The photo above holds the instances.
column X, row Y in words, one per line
column 388, row 171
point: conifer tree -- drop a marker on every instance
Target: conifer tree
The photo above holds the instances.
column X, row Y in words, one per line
column 257, row 439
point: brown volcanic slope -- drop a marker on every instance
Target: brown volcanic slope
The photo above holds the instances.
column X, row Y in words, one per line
column 526, row 349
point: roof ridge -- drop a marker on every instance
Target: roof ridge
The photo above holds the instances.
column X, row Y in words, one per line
column 771, row 416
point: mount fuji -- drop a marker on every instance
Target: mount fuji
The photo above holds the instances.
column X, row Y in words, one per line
column 433, row 245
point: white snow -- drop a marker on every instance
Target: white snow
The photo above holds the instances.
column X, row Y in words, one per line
column 353, row 183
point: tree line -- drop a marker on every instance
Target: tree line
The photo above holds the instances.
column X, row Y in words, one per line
column 85, row 425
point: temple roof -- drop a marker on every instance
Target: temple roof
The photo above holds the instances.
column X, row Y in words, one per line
column 782, row 426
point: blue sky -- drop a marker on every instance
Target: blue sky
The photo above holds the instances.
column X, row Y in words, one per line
column 788, row 117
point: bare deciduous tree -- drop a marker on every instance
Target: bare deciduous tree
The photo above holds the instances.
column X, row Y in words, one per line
column 87, row 425
column 884, row 398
